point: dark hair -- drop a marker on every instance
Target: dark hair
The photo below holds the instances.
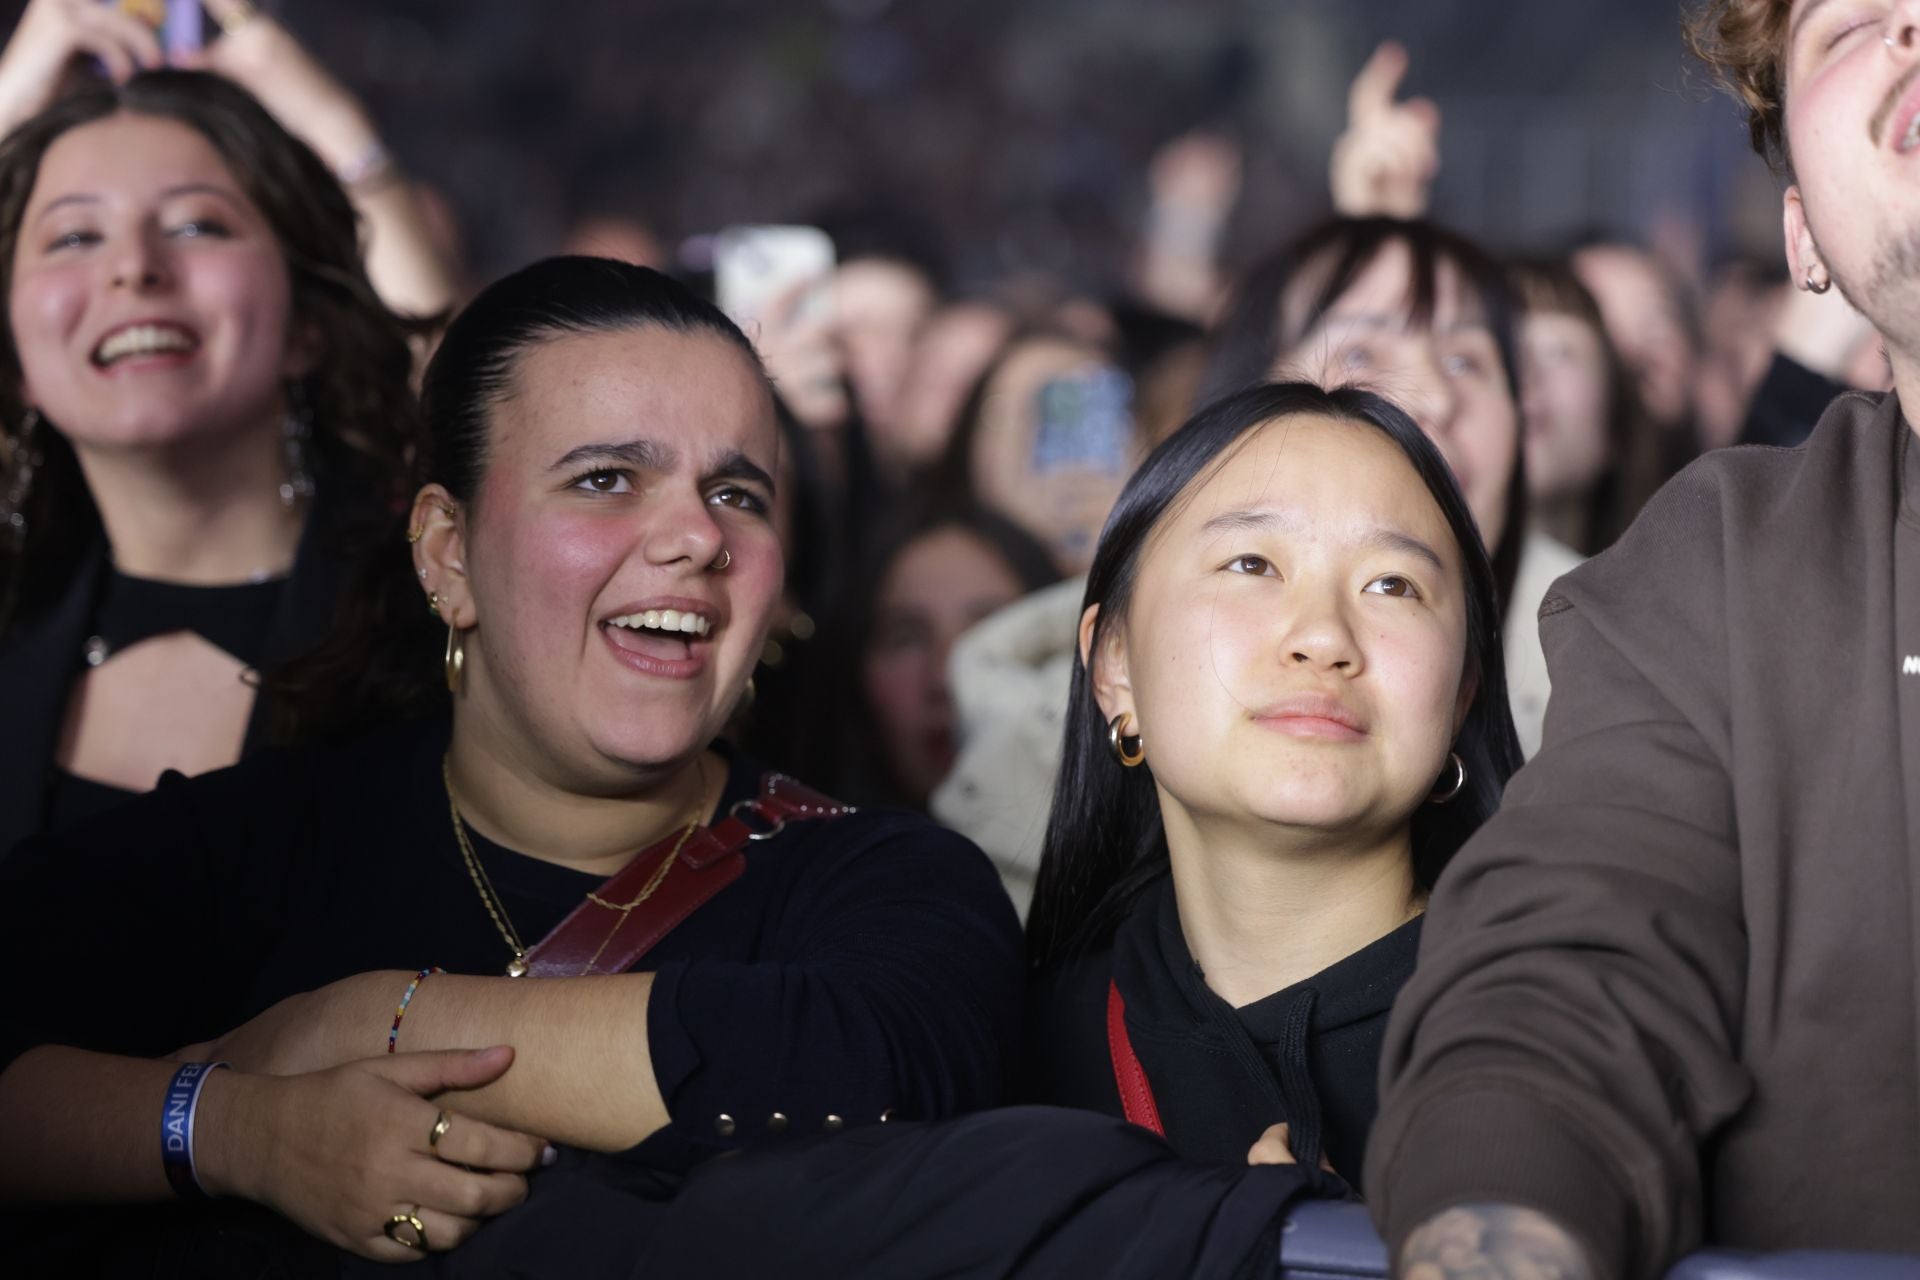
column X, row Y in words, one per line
column 383, row 659
column 1255, row 332
column 1548, row 286
column 365, row 415
column 1105, row 842
column 861, row 770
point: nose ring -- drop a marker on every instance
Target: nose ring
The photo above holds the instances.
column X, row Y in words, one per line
column 720, row 563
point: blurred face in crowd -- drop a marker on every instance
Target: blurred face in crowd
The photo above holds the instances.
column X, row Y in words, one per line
column 619, row 468
column 1563, row 380
column 954, row 348
column 1293, row 651
column 1055, row 443
column 1642, row 309
column 623, row 239
column 1852, row 100
column 151, row 303
column 938, row 586
column 878, row 308
column 1737, row 327
column 1446, row 372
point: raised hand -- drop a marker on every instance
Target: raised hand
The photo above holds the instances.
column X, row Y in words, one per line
column 265, row 59
column 346, row 1151
column 1385, row 162
column 51, row 34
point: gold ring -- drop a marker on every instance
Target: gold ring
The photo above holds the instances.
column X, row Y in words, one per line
column 440, row 1127
column 724, row 559
column 407, row 1222
column 234, row 19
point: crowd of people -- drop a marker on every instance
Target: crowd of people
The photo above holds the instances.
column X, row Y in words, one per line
column 1039, row 782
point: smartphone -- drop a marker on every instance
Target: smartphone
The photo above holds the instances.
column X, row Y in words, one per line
column 1084, row 421
column 755, row 267
column 180, row 23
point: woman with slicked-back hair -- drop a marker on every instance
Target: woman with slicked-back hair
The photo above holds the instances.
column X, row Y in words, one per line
column 515, row 829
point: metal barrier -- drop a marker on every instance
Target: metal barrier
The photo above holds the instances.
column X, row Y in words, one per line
column 1326, row 1241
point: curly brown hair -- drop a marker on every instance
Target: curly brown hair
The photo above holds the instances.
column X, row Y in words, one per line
column 1744, row 44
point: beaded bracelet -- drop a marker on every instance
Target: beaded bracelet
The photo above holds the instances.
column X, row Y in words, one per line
column 176, row 1128
column 406, row 998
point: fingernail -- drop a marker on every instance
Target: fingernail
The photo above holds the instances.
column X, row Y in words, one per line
column 549, row 1155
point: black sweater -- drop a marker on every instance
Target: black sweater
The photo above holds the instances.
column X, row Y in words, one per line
column 1308, row 1055
column 860, row 964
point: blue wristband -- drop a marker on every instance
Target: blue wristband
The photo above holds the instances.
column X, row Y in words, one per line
column 176, row 1127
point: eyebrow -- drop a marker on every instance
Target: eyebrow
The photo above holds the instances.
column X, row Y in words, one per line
column 651, row 455
column 170, row 193
column 1268, row 520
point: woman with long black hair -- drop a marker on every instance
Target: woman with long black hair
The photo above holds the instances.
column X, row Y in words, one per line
column 1288, row 712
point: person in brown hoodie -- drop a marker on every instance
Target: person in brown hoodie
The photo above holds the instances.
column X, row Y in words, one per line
column 1667, row 996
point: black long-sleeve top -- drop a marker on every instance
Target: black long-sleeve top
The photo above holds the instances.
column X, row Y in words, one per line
column 861, row 965
column 1308, row 1055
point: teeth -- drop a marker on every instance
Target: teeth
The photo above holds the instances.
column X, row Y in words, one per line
column 1912, row 136
column 142, row 340
column 691, row 624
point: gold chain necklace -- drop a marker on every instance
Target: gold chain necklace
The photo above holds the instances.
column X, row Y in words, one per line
column 497, row 910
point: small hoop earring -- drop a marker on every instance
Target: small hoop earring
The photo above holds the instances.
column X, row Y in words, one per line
column 1118, row 739
column 721, row 562
column 1443, row 795
column 1817, row 286
column 456, row 658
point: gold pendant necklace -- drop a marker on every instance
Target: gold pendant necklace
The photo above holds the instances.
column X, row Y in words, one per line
column 516, row 967
column 497, row 910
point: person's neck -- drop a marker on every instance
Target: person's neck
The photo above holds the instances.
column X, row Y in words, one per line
column 208, row 516
column 508, row 798
column 1263, row 909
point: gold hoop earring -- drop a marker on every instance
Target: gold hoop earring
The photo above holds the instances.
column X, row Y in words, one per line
column 456, row 658
column 724, row 559
column 1128, row 748
column 1443, row 795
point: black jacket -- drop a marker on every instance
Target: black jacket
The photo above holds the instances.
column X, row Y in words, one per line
column 41, row 657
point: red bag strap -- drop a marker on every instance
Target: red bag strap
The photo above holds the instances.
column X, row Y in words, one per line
column 1136, row 1093
column 627, row 916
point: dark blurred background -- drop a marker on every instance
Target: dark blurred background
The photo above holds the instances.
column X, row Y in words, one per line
column 1021, row 129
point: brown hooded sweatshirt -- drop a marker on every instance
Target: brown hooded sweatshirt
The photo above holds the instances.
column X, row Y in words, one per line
column 1668, row 994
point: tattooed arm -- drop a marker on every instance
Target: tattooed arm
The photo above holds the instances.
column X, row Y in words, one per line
column 1493, row 1242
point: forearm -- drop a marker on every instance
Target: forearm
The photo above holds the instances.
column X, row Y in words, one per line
column 397, row 244
column 582, row 1072
column 1492, row 1242
column 85, row 1127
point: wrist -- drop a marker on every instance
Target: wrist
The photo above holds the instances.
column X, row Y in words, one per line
column 231, row 1128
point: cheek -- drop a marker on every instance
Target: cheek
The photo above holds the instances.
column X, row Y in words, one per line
column 894, row 682
column 44, row 311
column 252, row 291
column 538, row 569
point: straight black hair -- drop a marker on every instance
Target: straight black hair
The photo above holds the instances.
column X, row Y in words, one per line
column 1105, row 842
column 1257, row 329
column 382, row 660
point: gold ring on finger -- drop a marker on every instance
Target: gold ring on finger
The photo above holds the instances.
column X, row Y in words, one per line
column 407, row 1231
column 440, row 1127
